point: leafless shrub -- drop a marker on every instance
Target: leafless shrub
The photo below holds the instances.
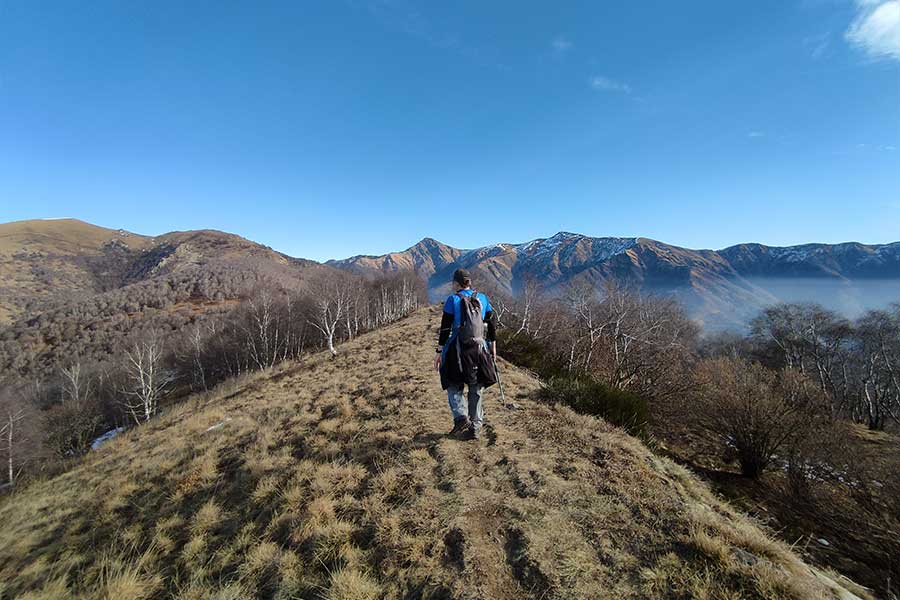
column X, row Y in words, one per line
column 758, row 413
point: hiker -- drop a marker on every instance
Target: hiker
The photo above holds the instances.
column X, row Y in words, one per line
column 465, row 355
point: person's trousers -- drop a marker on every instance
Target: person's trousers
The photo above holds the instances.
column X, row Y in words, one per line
column 473, row 408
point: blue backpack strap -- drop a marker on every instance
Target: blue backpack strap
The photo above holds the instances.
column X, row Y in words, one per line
column 457, row 316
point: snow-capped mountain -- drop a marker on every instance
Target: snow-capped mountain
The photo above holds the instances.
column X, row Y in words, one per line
column 720, row 288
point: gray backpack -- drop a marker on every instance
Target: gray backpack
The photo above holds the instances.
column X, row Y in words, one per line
column 471, row 323
column 472, row 359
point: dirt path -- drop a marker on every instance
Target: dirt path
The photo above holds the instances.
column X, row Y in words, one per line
column 474, row 480
column 547, row 503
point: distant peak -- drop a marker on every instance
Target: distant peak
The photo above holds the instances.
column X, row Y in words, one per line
column 428, row 243
column 564, row 235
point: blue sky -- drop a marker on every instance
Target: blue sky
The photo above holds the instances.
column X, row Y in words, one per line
column 327, row 129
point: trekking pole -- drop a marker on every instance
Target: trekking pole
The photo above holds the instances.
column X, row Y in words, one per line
column 499, row 380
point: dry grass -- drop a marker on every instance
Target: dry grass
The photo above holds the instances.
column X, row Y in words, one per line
column 333, row 480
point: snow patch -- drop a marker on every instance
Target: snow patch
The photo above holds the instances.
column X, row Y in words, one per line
column 218, row 425
column 99, row 441
column 601, row 248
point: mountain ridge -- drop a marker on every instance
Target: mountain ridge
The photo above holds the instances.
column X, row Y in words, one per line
column 720, row 288
column 43, row 259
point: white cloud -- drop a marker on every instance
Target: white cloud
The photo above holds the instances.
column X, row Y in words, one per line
column 606, row 84
column 756, row 134
column 561, row 45
column 876, row 29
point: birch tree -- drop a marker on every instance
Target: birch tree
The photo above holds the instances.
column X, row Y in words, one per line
column 528, row 307
column 148, row 379
column 10, row 433
column 76, row 384
column 264, row 331
column 878, row 394
column 332, row 301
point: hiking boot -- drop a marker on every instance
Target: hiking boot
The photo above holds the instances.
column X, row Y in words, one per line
column 460, row 424
column 472, row 433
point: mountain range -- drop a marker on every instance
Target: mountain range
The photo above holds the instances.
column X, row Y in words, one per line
column 49, row 262
column 721, row 289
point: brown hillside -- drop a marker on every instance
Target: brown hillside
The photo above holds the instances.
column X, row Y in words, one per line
column 48, row 262
column 42, row 258
column 69, row 236
column 334, row 479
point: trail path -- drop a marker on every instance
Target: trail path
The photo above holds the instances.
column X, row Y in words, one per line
column 547, row 503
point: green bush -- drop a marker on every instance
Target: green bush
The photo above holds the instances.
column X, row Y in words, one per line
column 584, row 395
column 72, row 428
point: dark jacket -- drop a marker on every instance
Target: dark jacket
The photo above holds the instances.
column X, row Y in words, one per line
column 460, row 365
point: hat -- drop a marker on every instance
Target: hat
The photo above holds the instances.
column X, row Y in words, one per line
column 461, row 276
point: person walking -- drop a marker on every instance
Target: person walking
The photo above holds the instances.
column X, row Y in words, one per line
column 466, row 354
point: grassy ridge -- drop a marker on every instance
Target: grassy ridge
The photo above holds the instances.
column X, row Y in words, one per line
column 333, row 479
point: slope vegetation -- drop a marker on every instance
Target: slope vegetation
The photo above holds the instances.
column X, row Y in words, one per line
column 49, row 262
column 70, row 289
column 334, row 479
column 43, row 258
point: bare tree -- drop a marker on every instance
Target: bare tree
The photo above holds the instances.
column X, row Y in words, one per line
column 629, row 341
column 395, row 297
column 265, row 335
column 526, row 307
column 148, row 379
column 878, row 368
column 295, row 316
column 13, row 413
column 755, row 411
column 193, row 355
column 782, row 325
column 332, row 303
column 621, row 338
column 76, row 384
column 811, row 339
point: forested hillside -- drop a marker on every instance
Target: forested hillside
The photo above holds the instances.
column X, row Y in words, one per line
column 126, row 325
column 796, row 421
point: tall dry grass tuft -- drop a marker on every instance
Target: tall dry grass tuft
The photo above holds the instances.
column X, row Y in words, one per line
column 123, row 577
column 350, row 584
column 207, row 518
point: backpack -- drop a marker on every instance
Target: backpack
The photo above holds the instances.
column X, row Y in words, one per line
column 471, row 322
column 468, row 361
